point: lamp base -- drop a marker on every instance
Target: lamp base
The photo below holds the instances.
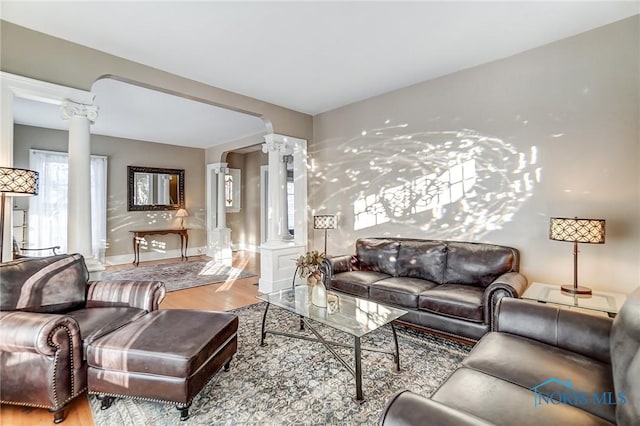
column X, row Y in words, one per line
column 575, row 290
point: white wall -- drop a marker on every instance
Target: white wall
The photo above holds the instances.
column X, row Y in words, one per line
column 552, row 132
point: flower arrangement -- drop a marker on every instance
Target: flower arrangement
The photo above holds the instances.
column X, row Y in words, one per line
column 309, row 266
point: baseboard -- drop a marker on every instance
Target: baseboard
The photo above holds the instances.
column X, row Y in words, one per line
column 122, row 259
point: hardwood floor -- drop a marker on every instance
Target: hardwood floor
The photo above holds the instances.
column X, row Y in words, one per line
column 215, row 297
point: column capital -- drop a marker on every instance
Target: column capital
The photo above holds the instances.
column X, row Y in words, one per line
column 274, row 146
column 70, row 109
column 219, row 168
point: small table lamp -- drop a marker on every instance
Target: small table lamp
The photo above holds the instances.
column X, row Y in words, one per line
column 15, row 183
column 325, row 221
column 576, row 231
column 182, row 213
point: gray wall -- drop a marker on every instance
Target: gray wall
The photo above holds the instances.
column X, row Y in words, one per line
column 36, row 55
column 552, row 132
column 245, row 225
column 123, row 153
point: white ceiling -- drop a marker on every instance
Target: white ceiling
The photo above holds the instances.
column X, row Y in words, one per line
column 313, row 56
column 133, row 112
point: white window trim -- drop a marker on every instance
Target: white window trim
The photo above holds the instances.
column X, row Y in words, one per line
column 235, row 190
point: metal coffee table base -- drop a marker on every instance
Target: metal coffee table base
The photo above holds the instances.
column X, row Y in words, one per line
column 357, row 347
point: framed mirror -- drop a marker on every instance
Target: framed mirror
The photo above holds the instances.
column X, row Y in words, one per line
column 154, row 189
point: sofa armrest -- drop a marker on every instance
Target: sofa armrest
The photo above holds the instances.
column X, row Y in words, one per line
column 407, row 408
column 335, row 265
column 510, row 284
column 38, row 333
column 145, row 295
column 578, row 332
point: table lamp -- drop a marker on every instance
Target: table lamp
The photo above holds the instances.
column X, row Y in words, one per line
column 325, row 221
column 182, row 213
column 576, row 231
column 15, row 183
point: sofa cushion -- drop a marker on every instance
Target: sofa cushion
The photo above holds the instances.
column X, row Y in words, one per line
column 96, row 322
column 377, row 255
column 478, row 264
column 400, row 291
column 355, row 282
column 504, row 403
column 529, row 363
column 422, row 259
column 51, row 284
column 454, row 300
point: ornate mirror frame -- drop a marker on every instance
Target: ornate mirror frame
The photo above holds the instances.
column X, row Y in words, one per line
column 132, row 206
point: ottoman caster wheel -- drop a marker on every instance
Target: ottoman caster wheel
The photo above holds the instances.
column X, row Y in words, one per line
column 106, row 401
column 184, row 411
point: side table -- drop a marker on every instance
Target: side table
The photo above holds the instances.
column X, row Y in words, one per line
column 599, row 301
column 139, row 236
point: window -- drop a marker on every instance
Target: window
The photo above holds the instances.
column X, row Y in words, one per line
column 232, row 190
column 48, row 211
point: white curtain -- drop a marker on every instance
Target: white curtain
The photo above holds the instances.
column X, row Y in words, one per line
column 48, row 210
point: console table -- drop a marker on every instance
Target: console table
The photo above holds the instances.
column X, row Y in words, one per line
column 139, row 236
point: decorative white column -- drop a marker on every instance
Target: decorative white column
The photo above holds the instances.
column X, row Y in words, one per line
column 277, row 181
column 220, row 242
column 80, row 117
column 277, row 256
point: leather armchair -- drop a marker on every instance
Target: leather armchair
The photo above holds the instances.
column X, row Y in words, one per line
column 49, row 313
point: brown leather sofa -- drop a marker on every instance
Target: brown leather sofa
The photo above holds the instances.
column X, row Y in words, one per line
column 49, row 314
column 544, row 366
column 447, row 286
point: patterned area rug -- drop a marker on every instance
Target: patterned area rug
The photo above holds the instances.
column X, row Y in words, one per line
column 292, row 381
column 177, row 276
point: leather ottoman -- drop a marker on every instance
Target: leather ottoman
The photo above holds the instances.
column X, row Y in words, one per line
column 165, row 356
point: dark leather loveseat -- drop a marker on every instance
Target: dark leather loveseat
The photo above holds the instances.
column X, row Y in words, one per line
column 447, row 286
column 49, row 314
column 544, row 366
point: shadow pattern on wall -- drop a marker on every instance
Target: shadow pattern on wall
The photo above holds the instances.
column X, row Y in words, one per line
column 458, row 184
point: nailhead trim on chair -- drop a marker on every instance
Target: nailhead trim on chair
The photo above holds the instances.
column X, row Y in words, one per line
column 49, row 407
column 56, row 360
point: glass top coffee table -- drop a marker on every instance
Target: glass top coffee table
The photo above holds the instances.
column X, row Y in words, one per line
column 600, row 301
column 354, row 316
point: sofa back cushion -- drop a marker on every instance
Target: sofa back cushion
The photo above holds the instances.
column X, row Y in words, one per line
column 424, row 259
column 478, row 264
column 377, row 255
column 47, row 284
column 625, row 359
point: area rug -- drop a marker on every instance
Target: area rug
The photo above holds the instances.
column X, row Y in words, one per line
column 297, row 382
column 177, row 276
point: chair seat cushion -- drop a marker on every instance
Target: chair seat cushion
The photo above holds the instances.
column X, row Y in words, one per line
column 400, row 291
column 504, row 403
column 529, row 363
column 356, row 282
column 454, row 300
column 174, row 342
column 96, row 322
